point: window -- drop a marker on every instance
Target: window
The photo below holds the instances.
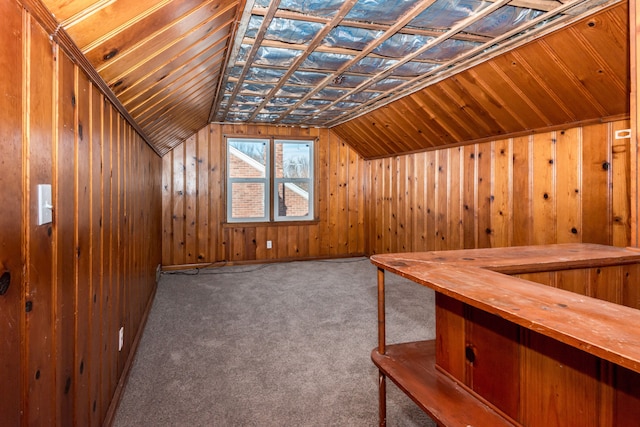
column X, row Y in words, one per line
column 269, row 180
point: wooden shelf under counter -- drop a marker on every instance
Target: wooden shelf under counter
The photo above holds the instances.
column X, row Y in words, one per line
column 510, row 351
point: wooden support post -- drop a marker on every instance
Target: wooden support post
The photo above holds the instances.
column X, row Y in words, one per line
column 382, row 385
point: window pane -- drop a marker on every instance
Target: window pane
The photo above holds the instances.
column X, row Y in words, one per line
column 247, row 200
column 293, row 199
column 292, row 159
column 247, row 159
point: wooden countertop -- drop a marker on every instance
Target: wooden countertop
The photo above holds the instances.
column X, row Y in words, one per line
column 607, row 330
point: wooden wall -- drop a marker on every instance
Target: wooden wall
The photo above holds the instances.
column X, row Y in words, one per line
column 569, row 185
column 73, row 282
column 193, row 201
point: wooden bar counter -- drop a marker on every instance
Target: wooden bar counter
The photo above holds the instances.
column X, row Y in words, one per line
column 534, row 336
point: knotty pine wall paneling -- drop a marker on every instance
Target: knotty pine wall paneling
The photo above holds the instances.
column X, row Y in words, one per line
column 562, row 186
column 193, row 197
column 74, row 282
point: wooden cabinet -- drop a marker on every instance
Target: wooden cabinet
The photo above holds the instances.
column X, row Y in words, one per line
column 513, row 346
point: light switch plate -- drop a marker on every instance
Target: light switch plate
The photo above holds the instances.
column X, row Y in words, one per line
column 45, row 208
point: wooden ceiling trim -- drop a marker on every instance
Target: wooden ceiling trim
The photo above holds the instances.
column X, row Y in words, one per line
column 575, row 81
column 318, row 38
column 163, row 77
column 174, row 41
column 107, row 49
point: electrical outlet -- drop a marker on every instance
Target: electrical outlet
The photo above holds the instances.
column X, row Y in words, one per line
column 269, row 246
column 121, row 338
column 45, row 214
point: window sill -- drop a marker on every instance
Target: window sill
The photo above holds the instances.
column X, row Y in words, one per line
column 269, row 223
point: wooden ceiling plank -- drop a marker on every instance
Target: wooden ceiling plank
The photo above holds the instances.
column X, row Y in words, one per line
column 187, row 96
column 106, row 49
column 440, row 125
column 160, row 59
column 109, row 21
column 142, row 51
column 451, row 123
column 158, row 82
column 541, row 81
column 502, row 108
column 190, row 58
column 186, row 80
column 571, row 77
column 85, row 13
column 407, row 116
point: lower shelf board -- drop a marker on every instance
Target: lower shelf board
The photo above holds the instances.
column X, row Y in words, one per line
column 412, row 367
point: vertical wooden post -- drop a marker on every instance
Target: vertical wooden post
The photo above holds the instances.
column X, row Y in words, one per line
column 382, row 385
column 634, row 47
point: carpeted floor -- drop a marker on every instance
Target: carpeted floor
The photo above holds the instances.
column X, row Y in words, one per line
column 272, row 345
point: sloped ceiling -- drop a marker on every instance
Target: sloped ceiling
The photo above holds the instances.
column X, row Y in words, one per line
column 389, row 76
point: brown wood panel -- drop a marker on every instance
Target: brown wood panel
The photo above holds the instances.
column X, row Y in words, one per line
column 64, row 231
column 621, row 176
column 547, row 188
column 568, row 195
column 197, row 167
column 39, row 331
column 549, row 368
column 544, row 190
column 97, row 261
column 82, row 243
column 522, row 187
column 11, row 221
column 450, row 346
column 596, row 182
column 500, row 201
column 491, row 346
column 483, row 199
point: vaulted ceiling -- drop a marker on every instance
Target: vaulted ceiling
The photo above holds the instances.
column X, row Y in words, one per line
column 390, row 76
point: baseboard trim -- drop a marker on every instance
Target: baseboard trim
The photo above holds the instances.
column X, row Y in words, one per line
column 256, row 261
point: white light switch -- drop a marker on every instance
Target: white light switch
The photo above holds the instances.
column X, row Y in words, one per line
column 45, row 208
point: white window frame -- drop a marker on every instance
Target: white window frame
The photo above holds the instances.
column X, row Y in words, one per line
column 265, row 180
column 292, row 184
column 270, row 181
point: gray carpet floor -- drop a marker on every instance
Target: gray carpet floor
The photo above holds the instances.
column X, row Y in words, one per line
column 283, row 344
